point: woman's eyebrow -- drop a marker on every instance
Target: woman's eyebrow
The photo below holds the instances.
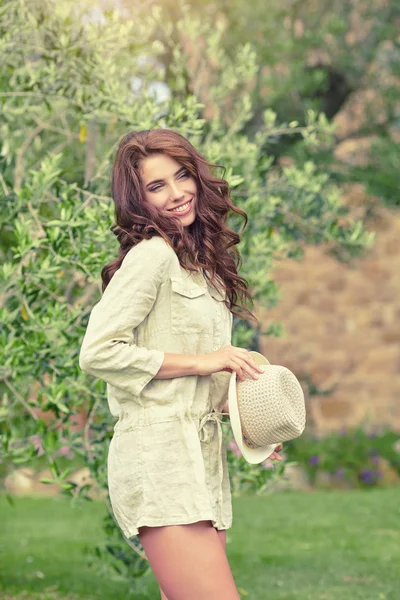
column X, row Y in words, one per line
column 160, row 180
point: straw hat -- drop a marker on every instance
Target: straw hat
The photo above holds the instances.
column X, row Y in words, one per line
column 267, row 411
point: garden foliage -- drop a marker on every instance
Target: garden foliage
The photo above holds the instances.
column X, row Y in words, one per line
column 73, row 80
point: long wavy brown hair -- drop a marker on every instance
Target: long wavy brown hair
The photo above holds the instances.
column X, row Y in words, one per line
column 207, row 243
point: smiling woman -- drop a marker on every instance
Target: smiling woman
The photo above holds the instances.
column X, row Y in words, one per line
column 160, row 336
column 157, row 171
column 169, row 186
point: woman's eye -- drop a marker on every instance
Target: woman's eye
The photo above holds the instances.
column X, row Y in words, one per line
column 183, row 174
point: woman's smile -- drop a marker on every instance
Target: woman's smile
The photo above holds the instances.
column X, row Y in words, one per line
column 182, row 210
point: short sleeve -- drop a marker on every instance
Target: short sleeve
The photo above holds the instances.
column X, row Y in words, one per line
column 107, row 350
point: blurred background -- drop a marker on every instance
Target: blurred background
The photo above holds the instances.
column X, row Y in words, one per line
column 299, row 101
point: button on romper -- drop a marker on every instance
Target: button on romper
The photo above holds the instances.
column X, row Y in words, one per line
column 167, row 462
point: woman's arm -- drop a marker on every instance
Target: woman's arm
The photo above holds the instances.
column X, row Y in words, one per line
column 177, row 365
column 107, row 351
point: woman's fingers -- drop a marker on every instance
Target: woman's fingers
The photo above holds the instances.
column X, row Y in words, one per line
column 275, row 456
column 243, row 367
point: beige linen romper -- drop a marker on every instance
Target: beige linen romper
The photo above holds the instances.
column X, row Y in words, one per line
column 167, row 461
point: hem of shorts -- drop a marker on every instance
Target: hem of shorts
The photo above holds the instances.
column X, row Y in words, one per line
column 149, row 522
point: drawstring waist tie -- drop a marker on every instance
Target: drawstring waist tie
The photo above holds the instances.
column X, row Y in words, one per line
column 204, row 435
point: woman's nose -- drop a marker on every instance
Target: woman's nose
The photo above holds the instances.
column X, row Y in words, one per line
column 175, row 191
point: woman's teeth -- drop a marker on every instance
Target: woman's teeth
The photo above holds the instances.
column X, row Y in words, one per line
column 181, row 208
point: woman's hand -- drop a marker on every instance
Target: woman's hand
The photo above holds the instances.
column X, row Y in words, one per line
column 275, row 455
column 229, row 358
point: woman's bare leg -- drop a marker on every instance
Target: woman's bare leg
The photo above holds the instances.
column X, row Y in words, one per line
column 163, row 596
column 189, row 561
column 222, row 539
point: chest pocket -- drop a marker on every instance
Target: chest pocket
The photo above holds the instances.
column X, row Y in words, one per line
column 190, row 307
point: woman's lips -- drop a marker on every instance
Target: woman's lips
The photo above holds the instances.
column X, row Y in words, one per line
column 183, row 212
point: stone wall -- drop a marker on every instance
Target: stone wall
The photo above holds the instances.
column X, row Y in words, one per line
column 342, row 321
column 342, row 327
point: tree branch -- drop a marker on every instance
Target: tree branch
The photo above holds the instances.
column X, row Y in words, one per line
column 20, row 156
column 21, row 399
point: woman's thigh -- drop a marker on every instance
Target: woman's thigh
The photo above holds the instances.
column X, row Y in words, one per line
column 222, row 537
column 189, row 561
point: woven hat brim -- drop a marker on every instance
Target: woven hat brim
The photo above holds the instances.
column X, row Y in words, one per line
column 251, row 455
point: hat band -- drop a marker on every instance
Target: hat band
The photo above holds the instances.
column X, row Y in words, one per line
column 248, row 443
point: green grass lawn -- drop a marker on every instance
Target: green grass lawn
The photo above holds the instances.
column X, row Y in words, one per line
column 287, row 546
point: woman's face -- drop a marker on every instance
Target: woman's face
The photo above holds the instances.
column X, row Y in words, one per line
column 167, row 184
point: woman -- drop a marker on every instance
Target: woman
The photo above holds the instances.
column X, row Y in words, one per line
column 161, row 338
